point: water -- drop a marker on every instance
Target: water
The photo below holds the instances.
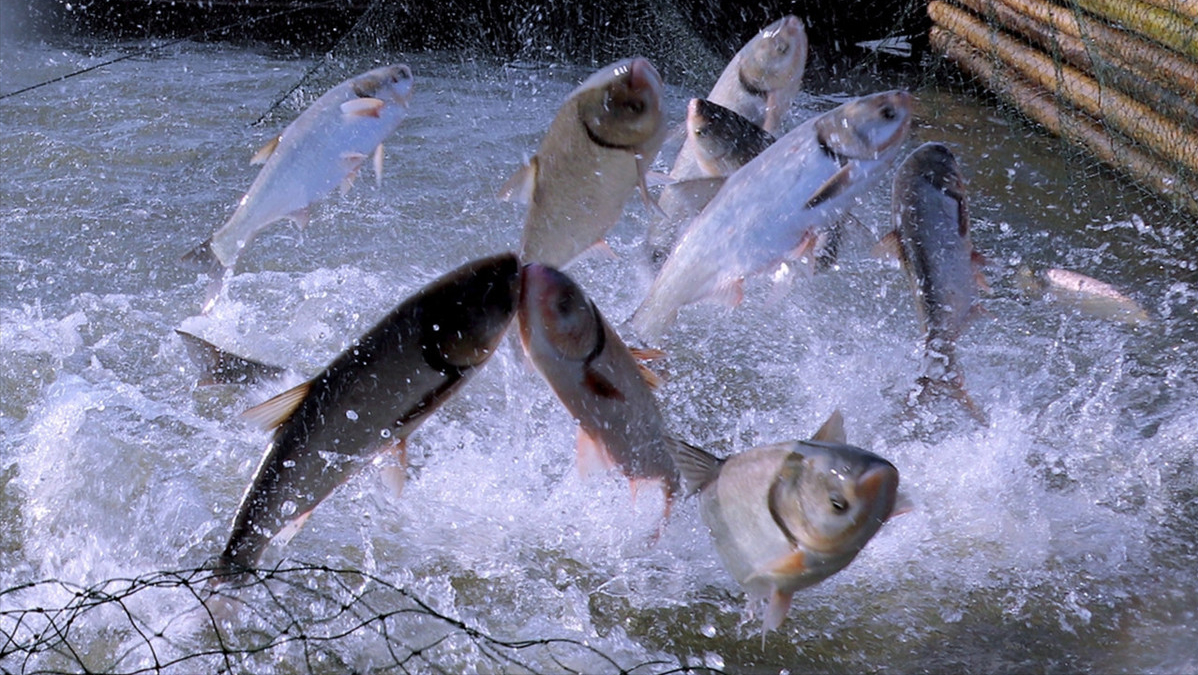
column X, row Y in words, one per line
column 1061, row 538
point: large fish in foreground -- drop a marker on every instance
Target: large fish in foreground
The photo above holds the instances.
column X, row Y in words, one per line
column 370, row 399
column 931, row 238
column 595, row 153
column 323, row 148
column 771, row 209
column 789, row 515
column 597, row 378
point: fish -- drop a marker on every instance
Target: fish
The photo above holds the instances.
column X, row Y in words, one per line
column 1083, row 293
column 322, row 148
column 759, row 84
column 788, row 515
column 596, row 151
column 369, row 400
column 597, row 378
column 724, row 140
column 223, row 367
column 772, row 208
column 931, row 238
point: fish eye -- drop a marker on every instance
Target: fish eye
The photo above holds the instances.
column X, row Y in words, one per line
column 636, row 105
column 838, row 503
column 782, row 47
column 888, row 112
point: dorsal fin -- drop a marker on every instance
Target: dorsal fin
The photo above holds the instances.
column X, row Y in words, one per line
column 522, row 185
column 273, row 412
column 266, row 151
column 833, row 429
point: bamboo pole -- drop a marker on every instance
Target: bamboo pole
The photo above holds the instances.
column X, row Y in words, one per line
column 1167, row 68
column 1186, row 8
column 1041, row 107
column 1166, row 138
column 1129, row 80
column 1161, row 25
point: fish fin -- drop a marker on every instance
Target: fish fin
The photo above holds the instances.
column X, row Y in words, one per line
column 697, row 466
column 377, row 164
column 731, row 293
column 362, row 107
column 833, row 429
column 273, row 412
column 889, row 247
column 955, row 388
column 301, row 217
column 292, row 528
column 395, row 476
column 647, row 353
column 600, row 385
column 521, row 187
column 804, row 252
column 775, row 611
column 980, row 280
column 222, row 367
column 266, row 151
column 601, row 248
column 651, row 204
column 203, row 259
column 902, row 504
column 651, row 378
column 591, row 454
column 773, row 112
column 837, row 184
column 352, row 161
column 659, row 179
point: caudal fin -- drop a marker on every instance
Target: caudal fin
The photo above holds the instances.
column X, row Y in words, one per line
column 222, row 367
column 953, row 388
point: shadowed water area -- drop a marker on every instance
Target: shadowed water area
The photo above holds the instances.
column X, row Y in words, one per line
column 1060, row 538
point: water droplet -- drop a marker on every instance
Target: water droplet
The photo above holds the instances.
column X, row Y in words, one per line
column 289, row 507
column 351, row 415
column 708, row 630
column 385, row 433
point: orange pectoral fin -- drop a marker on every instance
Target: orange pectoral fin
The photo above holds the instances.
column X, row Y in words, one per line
column 591, row 454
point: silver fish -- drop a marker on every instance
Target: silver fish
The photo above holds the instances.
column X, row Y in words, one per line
column 598, row 379
column 759, row 83
column 595, row 153
column 789, row 515
column 931, row 237
column 323, row 148
column 770, row 209
column 1086, row 294
column 370, row 399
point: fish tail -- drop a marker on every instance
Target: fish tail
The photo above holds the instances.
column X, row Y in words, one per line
column 650, row 320
column 203, row 259
column 953, row 388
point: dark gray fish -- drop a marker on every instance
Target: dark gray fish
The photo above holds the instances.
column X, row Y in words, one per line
column 597, row 378
column 931, row 238
column 369, row 399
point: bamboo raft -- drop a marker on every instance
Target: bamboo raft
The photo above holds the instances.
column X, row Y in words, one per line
column 1118, row 78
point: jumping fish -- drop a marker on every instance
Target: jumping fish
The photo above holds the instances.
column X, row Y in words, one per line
column 595, row 153
column 770, row 209
column 369, row 399
column 931, row 238
column 597, row 378
column 323, row 148
column 724, row 140
column 759, row 84
column 1087, row 294
column 789, row 515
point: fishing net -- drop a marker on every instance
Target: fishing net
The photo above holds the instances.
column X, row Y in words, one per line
column 292, row 619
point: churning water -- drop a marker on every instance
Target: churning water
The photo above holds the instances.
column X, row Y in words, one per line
column 1060, row 538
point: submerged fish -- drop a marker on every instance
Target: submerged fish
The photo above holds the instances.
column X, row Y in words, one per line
column 323, row 148
column 595, row 153
column 1086, row 294
column 770, row 209
column 222, row 367
column 789, row 515
column 724, row 140
column 597, row 378
column 931, row 238
column 369, row 399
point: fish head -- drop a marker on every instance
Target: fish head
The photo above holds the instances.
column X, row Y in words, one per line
column 620, row 106
column 556, row 317
column 776, row 57
column 472, row 312
column 831, row 497
column 392, row 84
column 866, row 128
